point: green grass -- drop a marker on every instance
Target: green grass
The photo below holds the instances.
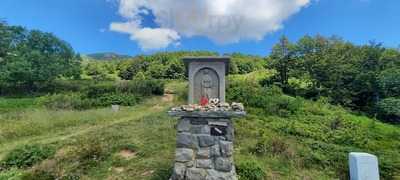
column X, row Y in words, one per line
column 9, row 104
column 310, row 144
column 314, row 150
column 145, row 126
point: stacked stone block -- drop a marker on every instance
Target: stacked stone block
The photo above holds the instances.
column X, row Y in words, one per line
column 204, row 149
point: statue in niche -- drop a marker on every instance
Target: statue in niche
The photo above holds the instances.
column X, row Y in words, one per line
column 206, row 84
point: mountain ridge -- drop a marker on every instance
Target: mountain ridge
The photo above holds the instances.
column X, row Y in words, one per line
column 107, row 56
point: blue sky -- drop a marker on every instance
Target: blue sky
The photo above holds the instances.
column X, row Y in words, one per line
column 86, row 25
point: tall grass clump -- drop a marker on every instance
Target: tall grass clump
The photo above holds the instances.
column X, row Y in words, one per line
column 27, row 156
column 250, row 170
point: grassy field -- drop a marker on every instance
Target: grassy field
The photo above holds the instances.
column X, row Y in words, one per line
column 133, row 143
column 138, row 142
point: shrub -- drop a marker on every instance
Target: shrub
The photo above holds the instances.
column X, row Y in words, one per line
column 274, row 145
column 142, row 87
column 66, row 101
column 89, row 153
column 250, row 170
column 99, row 90
column 270, row 99
column 78, row 102
column 27, row 156
column 162, row 173
column 38, row 175
column 116, row 99
column 59, row 86
column 243, row 91
column 12, row 173
column 126, row 93
column 389, row 109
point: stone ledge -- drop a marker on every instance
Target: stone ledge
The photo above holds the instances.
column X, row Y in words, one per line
column 208, row 114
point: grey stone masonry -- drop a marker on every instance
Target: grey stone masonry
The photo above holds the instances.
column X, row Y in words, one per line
column 184, row 140
column 205, row 146
column 183, row 155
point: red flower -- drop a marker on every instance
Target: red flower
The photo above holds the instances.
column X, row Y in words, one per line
column 203, row 101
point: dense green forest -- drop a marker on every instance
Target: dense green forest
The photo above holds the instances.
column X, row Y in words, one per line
column 310, row 103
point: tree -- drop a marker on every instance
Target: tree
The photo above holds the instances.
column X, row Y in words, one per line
column 282, row 60
column 74, row 70
column 96, row 71
column 31, row 59
column 129, row 69
column 243, row 64
column 310, row 56
column 389, row 109
column 159, row 65
column 370, row 67
column 156, row 70
column 390, row 58
column 354, row 76
column 389, row 82
column 175, row 69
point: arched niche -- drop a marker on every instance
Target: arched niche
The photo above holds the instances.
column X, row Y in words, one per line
column 206, row 84
column 217, row 68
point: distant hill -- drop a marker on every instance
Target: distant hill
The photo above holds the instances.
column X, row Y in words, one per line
column 107, row 56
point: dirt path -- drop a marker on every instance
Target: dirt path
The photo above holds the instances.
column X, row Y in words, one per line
column 168, row 98
column 162, row 103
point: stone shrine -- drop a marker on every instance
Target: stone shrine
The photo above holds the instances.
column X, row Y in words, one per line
column 206, row 77
column 205, row 133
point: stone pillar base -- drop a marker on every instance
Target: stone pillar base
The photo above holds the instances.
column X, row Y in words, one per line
column 204, row 148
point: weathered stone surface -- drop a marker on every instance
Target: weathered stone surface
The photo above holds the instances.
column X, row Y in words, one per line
column 226, row 148
column 217, row 175
column 204, row 163
column 218, row 122
column 203, row 153
column 206, row 84
column 363, row 166
column 223, row 164
column 200, row 129
column 183, row 155
column 184, row 125
column 205, row 140
column 189, row 164
column 196, row 174
column 206, row 77
column 215, row 151
column 179, row 171
column 220, row 138
column 208, row 114
column 198, row 121
column 229, row 133
column 184, row 140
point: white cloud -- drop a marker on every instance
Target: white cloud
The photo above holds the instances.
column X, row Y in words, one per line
column 223, row 21
column 148, row 38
